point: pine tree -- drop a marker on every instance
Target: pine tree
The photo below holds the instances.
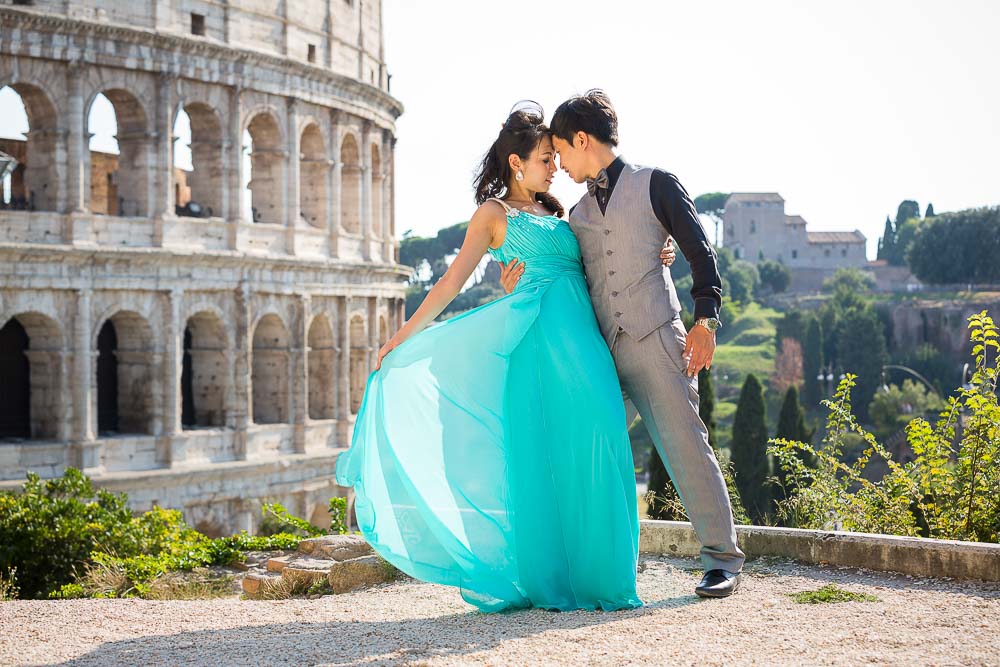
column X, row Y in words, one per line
column 749, row 449
column 930, row 211
column 706, row 403
column 812, row 363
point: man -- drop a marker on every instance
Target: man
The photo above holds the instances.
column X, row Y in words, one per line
column 621, row 224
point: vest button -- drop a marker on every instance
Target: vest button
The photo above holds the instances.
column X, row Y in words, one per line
column 611, row 252
column 614, row 294
column 618, row 314
column 611, row 273
column 607, row 231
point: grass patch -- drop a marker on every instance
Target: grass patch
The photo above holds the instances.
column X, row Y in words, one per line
column 830, row 594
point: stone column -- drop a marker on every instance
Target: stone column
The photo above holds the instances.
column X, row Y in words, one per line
column 85, row 449
column 173, row 359
column 162, row 169
column 392, row 202
column 388, row 233
column 300, row 373
column 233, row 168
column 241, row 370
column 344, row 375
column 333, row 204
column 292, row 186
column 366, row 189
column 373, row 346
column 77, row 229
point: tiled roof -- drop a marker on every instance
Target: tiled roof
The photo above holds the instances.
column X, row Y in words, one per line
column 794, row 220
column 835, row 237
column 755, row 196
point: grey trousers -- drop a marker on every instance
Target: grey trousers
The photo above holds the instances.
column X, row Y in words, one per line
column 651, row 371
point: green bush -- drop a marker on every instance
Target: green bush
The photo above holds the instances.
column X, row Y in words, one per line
column 54, row 531
column 951, row 490
column 50, row 528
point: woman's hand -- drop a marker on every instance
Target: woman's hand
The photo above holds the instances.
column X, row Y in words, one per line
column 384, row 350
column 667, row 255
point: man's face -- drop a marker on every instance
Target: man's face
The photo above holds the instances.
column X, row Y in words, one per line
column 570, row 159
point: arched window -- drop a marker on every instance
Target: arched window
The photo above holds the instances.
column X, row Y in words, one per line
column 125, row 375
column 313, row 170
column 269, row 378
column 30, row 137
column 350, row 175
column 198, row 162
column 119, row 154
column 205, row 372
column 265, row 175
column 321, row 363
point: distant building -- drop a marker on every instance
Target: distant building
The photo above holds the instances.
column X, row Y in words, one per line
column 756, row 227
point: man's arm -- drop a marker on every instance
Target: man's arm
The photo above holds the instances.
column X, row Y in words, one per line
column 676, row 212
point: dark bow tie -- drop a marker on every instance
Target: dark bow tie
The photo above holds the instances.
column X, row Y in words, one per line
column 600, row 182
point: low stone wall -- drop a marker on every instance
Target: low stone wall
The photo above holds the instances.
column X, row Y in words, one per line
column 907, row 555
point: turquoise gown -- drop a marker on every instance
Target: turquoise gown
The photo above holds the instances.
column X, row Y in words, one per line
column 490, row 451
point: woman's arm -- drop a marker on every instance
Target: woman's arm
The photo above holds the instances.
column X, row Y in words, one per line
column 478, row 238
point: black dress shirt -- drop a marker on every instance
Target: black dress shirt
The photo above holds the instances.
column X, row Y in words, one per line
column 675, row 210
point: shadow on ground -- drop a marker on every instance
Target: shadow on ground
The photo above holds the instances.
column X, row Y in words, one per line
column 353, row 642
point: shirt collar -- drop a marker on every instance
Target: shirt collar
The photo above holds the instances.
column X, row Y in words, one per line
column 614, row 170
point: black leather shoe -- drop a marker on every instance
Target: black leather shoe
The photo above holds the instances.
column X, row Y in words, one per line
column 718, row 584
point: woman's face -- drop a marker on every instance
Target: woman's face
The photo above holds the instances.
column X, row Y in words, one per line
column 540, row 167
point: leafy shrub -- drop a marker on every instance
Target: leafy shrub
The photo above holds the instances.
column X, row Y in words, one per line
column 56, row 530
column 951, row 489
column 51, row 527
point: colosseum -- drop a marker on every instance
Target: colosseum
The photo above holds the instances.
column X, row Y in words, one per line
column 198, row 338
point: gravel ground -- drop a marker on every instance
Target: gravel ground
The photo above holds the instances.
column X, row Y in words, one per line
column 914, row 622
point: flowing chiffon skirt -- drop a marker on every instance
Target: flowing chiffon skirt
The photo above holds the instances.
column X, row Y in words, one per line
column 491, row 453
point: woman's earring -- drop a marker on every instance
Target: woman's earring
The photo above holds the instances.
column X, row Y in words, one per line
column 519, row 176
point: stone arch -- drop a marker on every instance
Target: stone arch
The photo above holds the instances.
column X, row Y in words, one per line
column 378, row 178
column 35, row 183
column 360, row 352
column 126, row 374
column 119, row 185
column 269, row 374
column 31, row 370
column 204, row 372
column 350, row 175
column 313, row 169
column 206, row 179
column 321, row 359
column 267, row 168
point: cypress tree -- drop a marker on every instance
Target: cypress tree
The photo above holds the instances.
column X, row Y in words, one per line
column 749, row 449
column 812, row 363
column 930, row 211
column 887, row 241
column 791, row 426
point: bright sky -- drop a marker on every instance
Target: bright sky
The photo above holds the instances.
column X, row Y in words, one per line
column 844, row 108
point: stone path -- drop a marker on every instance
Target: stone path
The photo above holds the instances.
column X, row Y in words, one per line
column 915, row 622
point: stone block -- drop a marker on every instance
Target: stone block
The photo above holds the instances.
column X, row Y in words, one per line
column 361, row 572
column 336, row 547
column 253, row 583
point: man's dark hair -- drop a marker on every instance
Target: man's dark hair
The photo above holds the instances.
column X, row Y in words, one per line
column 591, row 113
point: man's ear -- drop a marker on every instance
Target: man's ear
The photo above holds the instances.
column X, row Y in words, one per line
column 581, row 140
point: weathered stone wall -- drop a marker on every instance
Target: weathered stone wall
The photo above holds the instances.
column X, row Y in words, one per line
column 229, row 342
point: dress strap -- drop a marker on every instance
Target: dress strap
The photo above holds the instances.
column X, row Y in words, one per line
column 505, row 205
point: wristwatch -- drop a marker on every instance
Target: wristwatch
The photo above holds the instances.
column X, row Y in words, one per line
column 710, row 323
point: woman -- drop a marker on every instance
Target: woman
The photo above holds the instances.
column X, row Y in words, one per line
column 490, row 451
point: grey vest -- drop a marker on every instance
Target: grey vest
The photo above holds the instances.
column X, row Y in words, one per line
column 628, row 285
